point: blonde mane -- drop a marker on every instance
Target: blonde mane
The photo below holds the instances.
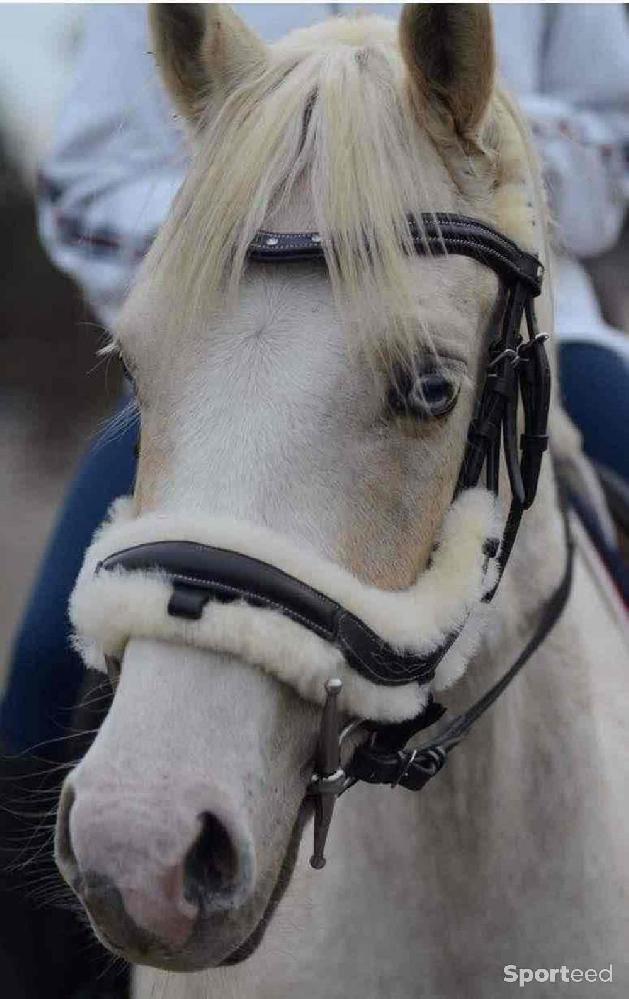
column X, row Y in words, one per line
column 329, row 111
column 330, row 108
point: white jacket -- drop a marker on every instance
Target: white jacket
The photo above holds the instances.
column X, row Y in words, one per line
column 119, row 155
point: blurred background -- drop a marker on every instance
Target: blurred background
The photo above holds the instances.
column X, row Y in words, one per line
column 55, row 394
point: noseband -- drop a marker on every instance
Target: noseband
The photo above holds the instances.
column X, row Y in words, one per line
column 517, row 371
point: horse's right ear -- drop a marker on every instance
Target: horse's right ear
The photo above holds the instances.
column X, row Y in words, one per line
column 449, row 53
column 203, row 52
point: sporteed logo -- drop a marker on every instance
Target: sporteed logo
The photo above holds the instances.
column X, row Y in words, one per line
column 524, row 976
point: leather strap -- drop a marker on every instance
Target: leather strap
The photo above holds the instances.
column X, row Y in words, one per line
column 383, row 760
column 198, row 573
column 517, row 369
column 440, row 233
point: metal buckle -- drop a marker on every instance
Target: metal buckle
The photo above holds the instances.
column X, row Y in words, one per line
column 527, row 345
column 517, row 354
column 509, row 352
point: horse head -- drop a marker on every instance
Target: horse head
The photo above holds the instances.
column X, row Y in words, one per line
column 312, row 416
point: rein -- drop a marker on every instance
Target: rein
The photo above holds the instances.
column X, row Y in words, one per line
column 517, row 371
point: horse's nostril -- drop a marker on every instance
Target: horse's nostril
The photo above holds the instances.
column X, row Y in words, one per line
column 212, row 865
column 64, row 852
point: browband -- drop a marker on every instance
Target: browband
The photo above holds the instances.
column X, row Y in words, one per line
column 440, row 234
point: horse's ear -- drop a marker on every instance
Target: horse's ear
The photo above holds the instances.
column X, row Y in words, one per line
column 203, row 52
column 449, row 53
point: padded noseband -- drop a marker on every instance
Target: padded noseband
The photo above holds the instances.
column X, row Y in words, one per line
column 199, row 573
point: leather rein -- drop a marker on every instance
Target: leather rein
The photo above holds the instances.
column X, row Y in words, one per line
column 517, row 370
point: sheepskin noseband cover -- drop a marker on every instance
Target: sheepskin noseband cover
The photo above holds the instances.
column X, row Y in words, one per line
column 107, row 608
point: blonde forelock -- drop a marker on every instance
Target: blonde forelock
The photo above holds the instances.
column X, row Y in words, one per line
column 331, row 107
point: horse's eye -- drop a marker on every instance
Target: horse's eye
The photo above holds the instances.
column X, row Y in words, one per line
column 424, row 394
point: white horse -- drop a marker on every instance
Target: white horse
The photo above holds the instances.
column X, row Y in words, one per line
column 266, row 422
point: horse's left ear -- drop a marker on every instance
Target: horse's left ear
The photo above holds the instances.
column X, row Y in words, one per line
column 203, row 52
column 449, row 53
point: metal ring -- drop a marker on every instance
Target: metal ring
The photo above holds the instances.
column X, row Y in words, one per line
column 327, row 783
column 351, row 727
column 435, row 758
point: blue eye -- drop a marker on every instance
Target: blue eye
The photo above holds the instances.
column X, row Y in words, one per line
column 424, row 394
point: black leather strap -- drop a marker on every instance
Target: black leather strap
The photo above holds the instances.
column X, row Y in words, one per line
column 441, row 233
column 516, row 370
column 199, row 573
column 383, row 760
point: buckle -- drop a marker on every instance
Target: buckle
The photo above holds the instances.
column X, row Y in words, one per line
column 428, row 760
column 505, row 355
column 518, row 353
column 526, row 346
column 501, row 373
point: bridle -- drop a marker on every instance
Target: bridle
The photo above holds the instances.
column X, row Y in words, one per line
column 517, row 370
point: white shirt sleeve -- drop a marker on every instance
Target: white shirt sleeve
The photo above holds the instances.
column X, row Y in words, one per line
column 119, row 156
column 580, row 120
column 584, row 168
column 118, row 159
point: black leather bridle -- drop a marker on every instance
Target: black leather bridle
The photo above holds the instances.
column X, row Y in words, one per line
column 517, row 370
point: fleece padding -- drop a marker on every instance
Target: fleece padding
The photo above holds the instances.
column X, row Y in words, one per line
column 108, row 608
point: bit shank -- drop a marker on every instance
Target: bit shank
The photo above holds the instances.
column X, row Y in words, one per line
column 328, row 777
